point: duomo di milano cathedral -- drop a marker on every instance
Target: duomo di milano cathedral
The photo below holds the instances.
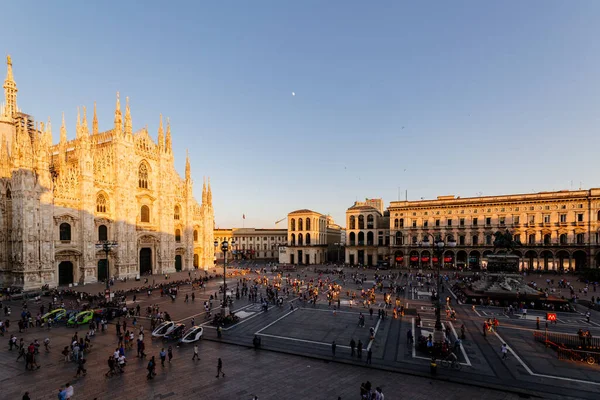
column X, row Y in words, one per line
column 58, row 201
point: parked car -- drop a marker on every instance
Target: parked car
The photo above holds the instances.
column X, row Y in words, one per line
column 193, row 334
column 163, row 329
column 81, row 318
column 176, row 332
column 54, row 315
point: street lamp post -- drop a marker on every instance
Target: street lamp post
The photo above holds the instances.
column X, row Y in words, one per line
column 224, row 249
column 438, row 248
column 339, row 246
column 106, row 246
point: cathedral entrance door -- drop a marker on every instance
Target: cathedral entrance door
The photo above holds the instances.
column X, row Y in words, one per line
column 145, row 261
column 65, row 273
column 102, row 271
column 178, row 262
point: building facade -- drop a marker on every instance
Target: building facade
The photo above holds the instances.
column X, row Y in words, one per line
column 310, row 237
column 367, row 234
column 557, row 230
column 252, row 243
column 60, row 201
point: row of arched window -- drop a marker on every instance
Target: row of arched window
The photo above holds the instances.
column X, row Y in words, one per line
column 302, row 240
column 361, row 222
column 563, row 239
column 65, row 232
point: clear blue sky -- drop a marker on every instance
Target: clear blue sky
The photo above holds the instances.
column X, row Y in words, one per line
column 433, row 97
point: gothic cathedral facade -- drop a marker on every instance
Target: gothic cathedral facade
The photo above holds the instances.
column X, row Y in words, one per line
column 106, row 204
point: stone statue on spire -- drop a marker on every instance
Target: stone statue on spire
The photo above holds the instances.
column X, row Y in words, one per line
column 10, row 92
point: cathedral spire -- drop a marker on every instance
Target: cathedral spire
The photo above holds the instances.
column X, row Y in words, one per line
column 78, row 132
column 128, row 128
column 95, row 122
column 188, row 175
column 48, row 133
column 63, row 130
column 204, row 197
column 161, row 135
column 10, row 91
column 209, row 194
column 84, row 125
column 168, row 147
column 118, row 118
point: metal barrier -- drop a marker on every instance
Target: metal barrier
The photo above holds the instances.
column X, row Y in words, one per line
column 588, row 357
column 567, row 340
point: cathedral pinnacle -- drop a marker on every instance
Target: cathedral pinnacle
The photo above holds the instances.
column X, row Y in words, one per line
column 128, row 127
column 209, row 194
column 188, row 175
column 84, row 125
column 95, row 122
column 118, row 118
column 63, row 130
column 204, row 197
column 161, row 135
column 10, row 91
column 168, row 147
column 78, row 126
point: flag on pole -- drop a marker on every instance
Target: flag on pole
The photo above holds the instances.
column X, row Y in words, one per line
column 243, row 216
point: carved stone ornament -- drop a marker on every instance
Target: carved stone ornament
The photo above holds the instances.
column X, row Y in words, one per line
column 68, row 218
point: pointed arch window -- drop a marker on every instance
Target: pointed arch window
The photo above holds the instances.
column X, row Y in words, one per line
column 143, row 176
column 145, row 214
column 102, row 233
column 195, row 235
column 176, row 213
column 65, row 232
column 8, row 194
column 101, row 203
column 177, row 235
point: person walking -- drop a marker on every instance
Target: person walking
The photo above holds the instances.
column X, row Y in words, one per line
column 81, row 368
column 170, row 353
column 359, row 348
column 220, row 368
column 369, row 355
column 333, row 346
column 504, row 351
column 163, row 356
column 151, row 366
column 352, row 346
column 195, row 356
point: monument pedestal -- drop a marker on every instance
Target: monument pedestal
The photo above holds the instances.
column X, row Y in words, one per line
column 225, row 311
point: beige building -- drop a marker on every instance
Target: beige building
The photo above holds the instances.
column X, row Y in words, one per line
column 252, row 243
column 58, row 202
column 558, row 230
column 310, row 236
column 367, row 234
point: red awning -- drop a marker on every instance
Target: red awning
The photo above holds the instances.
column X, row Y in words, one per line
column 400, row 258
column 425, row 259
column 448, row 259
column 414, row 258
column 435, row 259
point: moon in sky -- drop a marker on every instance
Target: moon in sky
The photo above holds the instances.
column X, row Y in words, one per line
column 293, row 93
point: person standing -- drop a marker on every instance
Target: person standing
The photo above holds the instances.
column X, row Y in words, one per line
column 352, row 346
column 163, row 356
column 220, row 368
column 504, row 351
column 359, row 348
column 195, row 356
column 170, row 353
column 333, row 346
column 369, row 355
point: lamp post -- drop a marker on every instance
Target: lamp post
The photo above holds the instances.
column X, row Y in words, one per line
column 106, row 246
column 438, row 248
column 224, row 249
column 339, row 246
